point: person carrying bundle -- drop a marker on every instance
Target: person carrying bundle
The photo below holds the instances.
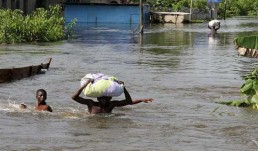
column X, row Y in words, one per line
column 104, row 103
column 214, row 25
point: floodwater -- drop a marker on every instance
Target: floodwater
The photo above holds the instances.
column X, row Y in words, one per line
column 179, row 65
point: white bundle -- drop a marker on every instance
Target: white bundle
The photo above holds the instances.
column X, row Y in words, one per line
column 214, row 23
column 103, row 85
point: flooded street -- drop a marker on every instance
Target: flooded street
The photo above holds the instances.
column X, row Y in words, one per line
column 179, row 65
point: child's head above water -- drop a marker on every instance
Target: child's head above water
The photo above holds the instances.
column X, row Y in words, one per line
column 41, row 95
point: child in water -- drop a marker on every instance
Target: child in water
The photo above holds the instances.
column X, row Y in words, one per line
column 41, row 96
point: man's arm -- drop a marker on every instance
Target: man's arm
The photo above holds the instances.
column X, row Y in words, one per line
column 145, row 100
column 128, row 100
column 209, row 27
column 217, row 27
column 49, row 108
column 76, row 97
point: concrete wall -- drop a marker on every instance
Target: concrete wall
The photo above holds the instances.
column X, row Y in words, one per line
column 169, row 17
column 176, row 19
column 200, row 16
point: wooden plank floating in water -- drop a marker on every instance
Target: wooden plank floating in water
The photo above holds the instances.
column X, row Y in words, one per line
column 8, row 75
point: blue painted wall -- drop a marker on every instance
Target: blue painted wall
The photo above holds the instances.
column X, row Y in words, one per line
column 85, row 13
column 214, row 1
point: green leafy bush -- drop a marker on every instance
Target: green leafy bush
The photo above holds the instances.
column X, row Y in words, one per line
column 249, row 89
column 40, row 26
column 233, row 7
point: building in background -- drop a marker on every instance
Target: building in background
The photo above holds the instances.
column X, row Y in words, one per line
column 29, row 5
column 106, row 13
column 87, row 11
column 213, row 4
column 25, row 5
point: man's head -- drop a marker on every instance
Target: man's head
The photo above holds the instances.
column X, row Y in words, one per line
column 104, row 100
column 41, row 95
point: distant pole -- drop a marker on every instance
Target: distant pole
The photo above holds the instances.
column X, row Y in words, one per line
column 190, row 16
column 141, row 17
column 212, row 10
column 225, row 4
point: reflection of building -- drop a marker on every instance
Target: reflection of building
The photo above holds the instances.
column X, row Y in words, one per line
column 29, row 5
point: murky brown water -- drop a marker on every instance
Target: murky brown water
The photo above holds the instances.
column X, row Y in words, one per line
column 183, row 69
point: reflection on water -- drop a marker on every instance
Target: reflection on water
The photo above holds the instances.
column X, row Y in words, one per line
column 178, row 65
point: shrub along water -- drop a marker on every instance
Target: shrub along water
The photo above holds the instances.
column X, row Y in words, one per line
column 42, row 25
column 249, row 89
column 233, row 7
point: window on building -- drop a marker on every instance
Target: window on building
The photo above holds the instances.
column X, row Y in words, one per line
column 13, row 4
column 4, row 3
column 17, row 4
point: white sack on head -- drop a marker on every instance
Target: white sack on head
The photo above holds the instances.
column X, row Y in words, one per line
column 214, row 23
column 103, row 85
